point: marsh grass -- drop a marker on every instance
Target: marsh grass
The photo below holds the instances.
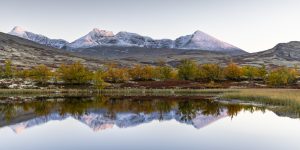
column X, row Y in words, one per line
column 286, row 101
column 274, row 95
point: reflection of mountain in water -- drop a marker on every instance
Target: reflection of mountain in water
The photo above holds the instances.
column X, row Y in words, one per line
column 99, row 120
column 103, row 112
column 124, row 120
column 36, row 121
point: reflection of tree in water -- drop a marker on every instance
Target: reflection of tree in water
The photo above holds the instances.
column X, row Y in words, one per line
column 78, row 106
column 187, row 110
column 163, row 107
column 42, row 108
column 234, row 109
column 211, row 107
column 8, row 111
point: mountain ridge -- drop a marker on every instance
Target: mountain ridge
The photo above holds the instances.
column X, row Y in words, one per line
column 97, row 38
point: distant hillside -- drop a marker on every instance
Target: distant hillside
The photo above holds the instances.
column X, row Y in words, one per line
column 283, row 54
column 133, row 55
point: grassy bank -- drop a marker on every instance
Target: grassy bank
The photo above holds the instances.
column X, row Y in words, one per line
column 265, row 94
column 284, row 102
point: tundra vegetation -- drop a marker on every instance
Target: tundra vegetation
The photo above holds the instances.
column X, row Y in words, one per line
column 79, row 74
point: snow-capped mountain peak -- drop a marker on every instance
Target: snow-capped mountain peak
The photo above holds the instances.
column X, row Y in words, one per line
column 93, row 38
column 202, row 41
column 41, row 39
column 18, row 31
column 199, row 35
column 100, row 33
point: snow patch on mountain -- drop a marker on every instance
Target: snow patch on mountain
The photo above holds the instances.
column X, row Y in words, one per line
column 203, row 41
column 19, row 31
column 93, row 38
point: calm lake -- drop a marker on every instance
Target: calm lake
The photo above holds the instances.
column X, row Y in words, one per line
column 144, row 123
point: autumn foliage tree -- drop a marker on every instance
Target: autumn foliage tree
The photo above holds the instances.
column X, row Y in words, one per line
column 98, row 79
column 210, row 72
column 116, row 75
column 74, row 74
column 250, row 72
column 165, row 73
column 136, row 73
column 232, row 71
column 282, row 76
column 149, row 73
column 262, row 72
column 187, row 70
column 143, row 73
column 8, row 69
column 41, row 74
column 1, row 73
column 23, row 74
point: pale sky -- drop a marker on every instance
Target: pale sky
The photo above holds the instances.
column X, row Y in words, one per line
column 251, row 25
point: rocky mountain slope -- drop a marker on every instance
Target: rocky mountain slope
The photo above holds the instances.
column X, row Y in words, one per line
column 283, row 54
column 140, row 55
column 25, row 53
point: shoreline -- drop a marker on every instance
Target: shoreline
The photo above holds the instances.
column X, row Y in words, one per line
column 110, row 91
column 130, row 90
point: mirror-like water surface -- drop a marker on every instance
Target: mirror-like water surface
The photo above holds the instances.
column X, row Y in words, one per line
column 144, row 123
